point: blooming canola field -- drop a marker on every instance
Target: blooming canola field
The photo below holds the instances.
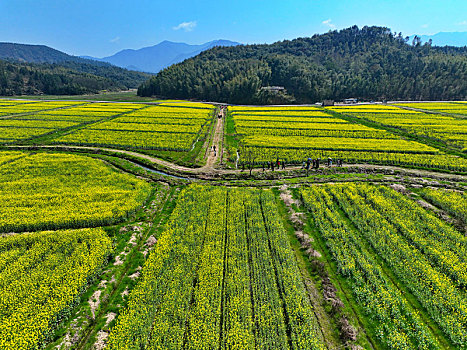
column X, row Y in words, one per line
column 168, row 126
column 442, row 124
column 49, row 191
column 385, row 230
column 173, row 128
column 20, row 121
column 295, row 133
column 98, row 250
column 42, row 275
column 223, row 275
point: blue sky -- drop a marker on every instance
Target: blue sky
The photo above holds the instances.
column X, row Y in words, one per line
column 102, row 27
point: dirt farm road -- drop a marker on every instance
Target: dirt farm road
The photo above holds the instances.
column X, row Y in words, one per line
column 216, row 142
column 209, row 171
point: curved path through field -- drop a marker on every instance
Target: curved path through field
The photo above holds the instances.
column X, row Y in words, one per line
column 208, row 171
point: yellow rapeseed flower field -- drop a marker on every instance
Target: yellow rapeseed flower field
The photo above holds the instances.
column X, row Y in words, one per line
column 42, row 273
column 51, row 191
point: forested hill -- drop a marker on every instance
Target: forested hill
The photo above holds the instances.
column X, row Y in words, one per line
column 33, row 53
column 36, row 69
column 371, row 63
column 18, row 78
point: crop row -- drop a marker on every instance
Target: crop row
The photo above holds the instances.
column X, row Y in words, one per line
column 12, row 123
column 196, row 122
column 372, row 109
column 42, row 274
column 444, row 128
column 75, row 117
column 341, row 143
column 398, row 325
column 299, row 155
column 273, row 108
column 280, row 120
column 417, row 247
column 157, row 128
column 184, row 104
column 301, row 113
column 222, row 276
column 455, row 203
column 315, row 132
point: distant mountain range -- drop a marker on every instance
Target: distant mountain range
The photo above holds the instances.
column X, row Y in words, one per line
column 445, row 38
column 152, row 59
column 38, row 69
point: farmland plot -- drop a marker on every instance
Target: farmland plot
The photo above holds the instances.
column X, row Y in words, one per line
column 51, row 191
column 222, row 276
column 294, row 134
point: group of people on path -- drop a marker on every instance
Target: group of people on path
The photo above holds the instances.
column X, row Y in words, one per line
column 309, row 163
column 314, row 163
column 277, row 164
column 222, row 109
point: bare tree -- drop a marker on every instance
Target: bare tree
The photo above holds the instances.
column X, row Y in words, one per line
column 249, row 157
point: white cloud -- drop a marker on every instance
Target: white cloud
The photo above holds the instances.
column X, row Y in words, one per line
column 186, row 26
column 115, row 40
column 424, row 25
column 463, row 23
column 329, row 24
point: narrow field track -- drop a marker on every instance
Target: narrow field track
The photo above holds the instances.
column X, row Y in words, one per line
column 208, row 172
